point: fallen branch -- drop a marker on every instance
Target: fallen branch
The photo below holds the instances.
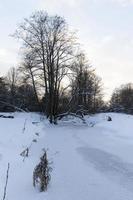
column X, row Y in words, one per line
column 60, row 116
column 4, row 116
column 17, row 108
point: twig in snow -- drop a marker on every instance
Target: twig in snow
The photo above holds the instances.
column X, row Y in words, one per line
column 7, row 176
column 24, row 125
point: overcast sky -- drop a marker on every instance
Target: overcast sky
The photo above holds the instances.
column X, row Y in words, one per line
column 104, row 28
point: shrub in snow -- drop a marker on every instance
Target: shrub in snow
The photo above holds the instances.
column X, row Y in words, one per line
column 25, row 153
column 41, row 173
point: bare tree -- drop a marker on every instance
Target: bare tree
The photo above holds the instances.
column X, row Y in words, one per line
column 49, row 40
column 12, row 81
column 28, row 70
column 86, row 85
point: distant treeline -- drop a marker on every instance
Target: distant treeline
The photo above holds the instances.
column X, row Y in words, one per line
column 122, row 99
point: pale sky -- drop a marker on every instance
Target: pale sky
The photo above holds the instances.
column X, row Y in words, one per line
column 104, row 28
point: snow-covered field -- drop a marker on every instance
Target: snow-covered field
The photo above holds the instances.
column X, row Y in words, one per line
column 90, row 162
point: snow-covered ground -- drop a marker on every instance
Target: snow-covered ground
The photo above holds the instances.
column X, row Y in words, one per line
column 90, row 161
